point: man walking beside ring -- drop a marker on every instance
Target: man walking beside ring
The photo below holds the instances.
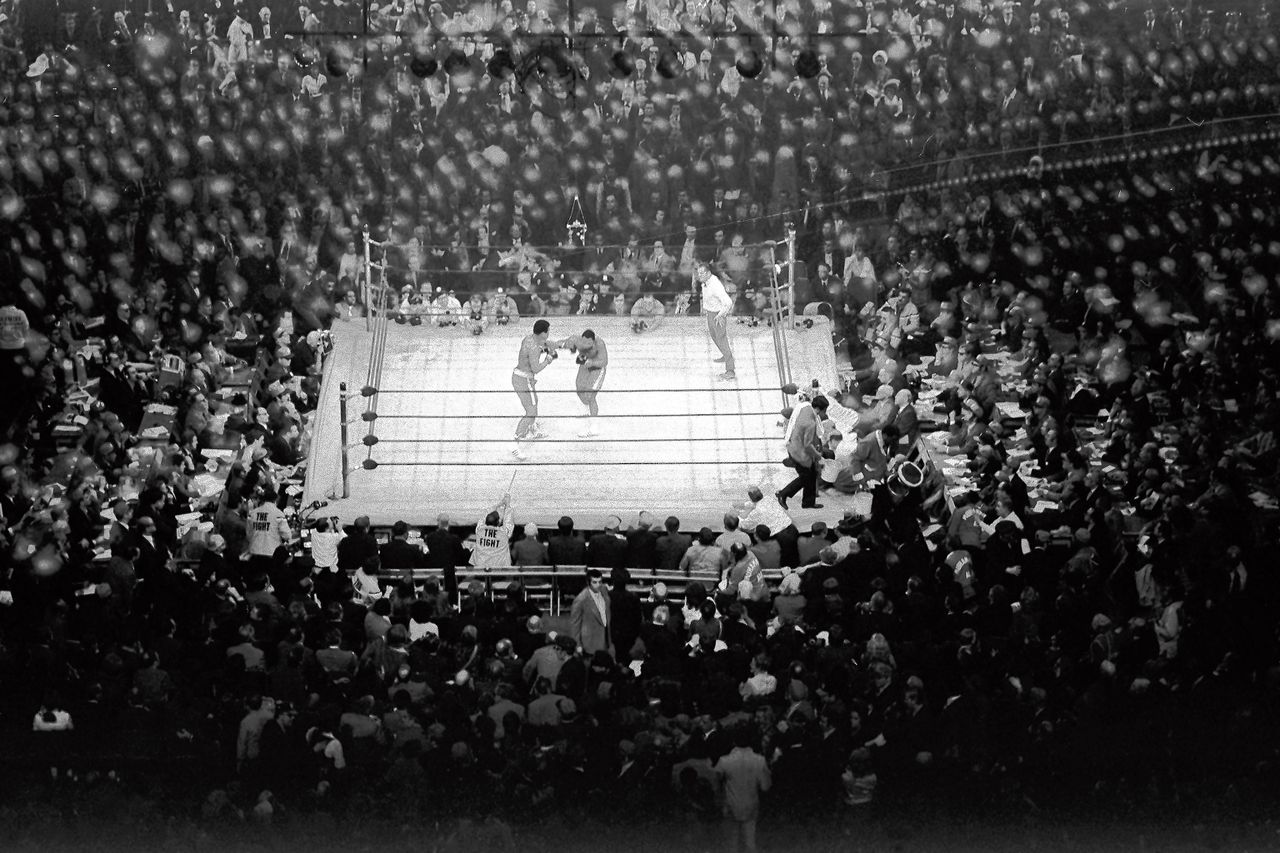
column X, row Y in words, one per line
column 805, row 451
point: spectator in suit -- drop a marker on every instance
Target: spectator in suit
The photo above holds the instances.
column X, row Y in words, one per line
column 445, row 551
column 689, row 255
column 907, row 420
column 608, row 548
column 214, row 564
column 871, row 458
column 591, row 616
column 627, row 613
column 336, row 661
column 358, row 547
column 283, row 447
column 744, row 776
column 671, row 545
column 529, row 550
column 642, row 544
column 911, row 741
column 121, row 516
column 566, row 547
column 400, row 556
column 829, row 255
column 117, row 395
column 153, row 556
column 855, row 468
column 598, row 258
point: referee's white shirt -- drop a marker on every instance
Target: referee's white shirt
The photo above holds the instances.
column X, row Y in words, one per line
column 715, row 300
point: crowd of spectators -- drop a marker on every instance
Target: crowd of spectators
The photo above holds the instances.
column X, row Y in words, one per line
column 185, row 191
column 455, row 169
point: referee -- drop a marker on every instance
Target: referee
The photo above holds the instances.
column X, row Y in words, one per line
column 717, row 306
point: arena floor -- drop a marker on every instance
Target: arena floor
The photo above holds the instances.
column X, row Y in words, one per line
column 673, row 439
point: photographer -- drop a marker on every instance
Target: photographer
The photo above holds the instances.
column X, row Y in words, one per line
column 324, row 544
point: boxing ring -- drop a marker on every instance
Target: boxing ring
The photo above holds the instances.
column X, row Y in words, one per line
column 431, row 416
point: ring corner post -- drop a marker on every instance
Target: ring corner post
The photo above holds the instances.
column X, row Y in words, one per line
column 368, row 279
column 342, row 415
column 791, row 271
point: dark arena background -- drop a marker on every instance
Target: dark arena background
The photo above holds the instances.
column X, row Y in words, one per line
column 658, row 425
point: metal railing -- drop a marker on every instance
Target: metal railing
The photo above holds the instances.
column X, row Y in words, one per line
column 1080, row 153
column 550, row 584
column 547, row 582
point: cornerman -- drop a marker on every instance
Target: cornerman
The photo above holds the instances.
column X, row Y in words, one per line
column 492, row 544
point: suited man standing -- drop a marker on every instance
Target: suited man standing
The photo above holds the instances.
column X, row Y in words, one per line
column 445, row 552
column 591, row 616
column 627, row 613
column 398, row 555
column 355, row 550
column 117, row 395
column 743, row 776
column 153, row 556
column 805, row 450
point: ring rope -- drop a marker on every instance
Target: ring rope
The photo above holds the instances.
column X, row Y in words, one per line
column 541, row 417
column 508, row 464
column 377, row 357
column 592, row 440
column 377, row 362
column 575, row 391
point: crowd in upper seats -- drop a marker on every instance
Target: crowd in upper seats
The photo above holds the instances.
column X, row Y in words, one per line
column 195, row 184
column 454, row 169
